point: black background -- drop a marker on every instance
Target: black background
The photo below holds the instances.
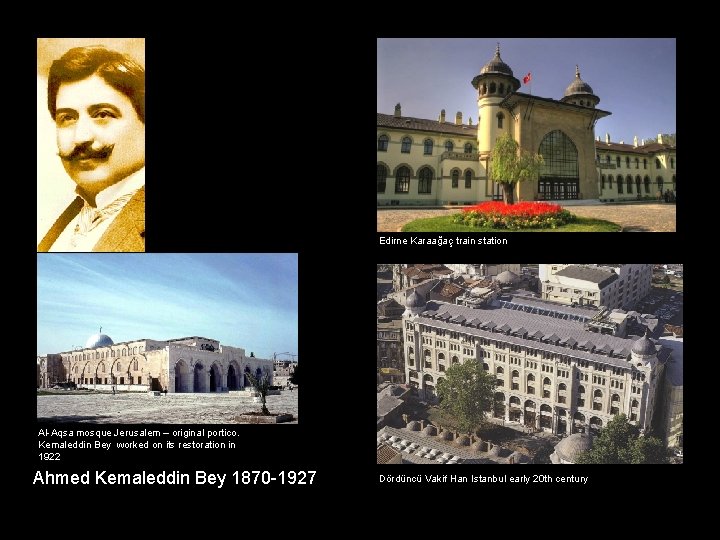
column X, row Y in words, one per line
column 259, row 135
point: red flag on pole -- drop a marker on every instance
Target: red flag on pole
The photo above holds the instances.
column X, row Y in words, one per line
column 527, row 78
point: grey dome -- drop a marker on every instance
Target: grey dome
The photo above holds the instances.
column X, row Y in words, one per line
column 496, row 65
column 429, row 431
column 507, row 277
column 494, row 451
column 415, row 300
column 570, row 447
column 413, row 425
column 463, row 440
column 578, row 86
column 644, row 346
column 98, row 340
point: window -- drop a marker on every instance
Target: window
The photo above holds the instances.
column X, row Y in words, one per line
column 492, row 87
column 602, row 182
column 647, row 184
column 620, row 184
column 449, row 146
column 402, row 180
column 637, row 163
column 468, row 179
column 658, row 165
column 405, row 148
column 500, row 118
column 381, row 178
column 468, row 148
column 455, row 177
column 672, row 163
column 428, row 147
column 617, row 162
column 638, row 184
column 425, row 184
column 502, row 91
column 383, row 143
column 627, row 161
column 628, row 181
column 135, row 365
column 659, row 182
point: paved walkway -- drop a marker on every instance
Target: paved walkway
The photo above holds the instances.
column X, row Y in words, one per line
column 644, row 217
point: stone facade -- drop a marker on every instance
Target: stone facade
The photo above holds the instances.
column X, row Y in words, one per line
column 191, row 364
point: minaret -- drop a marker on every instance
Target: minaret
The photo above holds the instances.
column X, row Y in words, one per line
column 494, row 83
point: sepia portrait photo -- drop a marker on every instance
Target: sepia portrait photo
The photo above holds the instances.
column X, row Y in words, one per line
column 91, row 144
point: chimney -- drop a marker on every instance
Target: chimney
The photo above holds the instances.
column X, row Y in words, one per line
column 442, row 116
column 422, row 425
column 458, row 118
column 607, row 138
column 622, row 142
column 598, row 138
column 397, row 111
column 635, row 144
column 470, row 121
column 642, row 142
column 660, row 138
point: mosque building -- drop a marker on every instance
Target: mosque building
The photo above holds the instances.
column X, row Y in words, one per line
column 441, row 162
column 189, row 364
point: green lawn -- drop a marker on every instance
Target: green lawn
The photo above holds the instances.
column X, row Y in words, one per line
column 445, row 224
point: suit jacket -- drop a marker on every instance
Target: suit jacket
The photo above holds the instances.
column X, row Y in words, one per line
column 125, row 233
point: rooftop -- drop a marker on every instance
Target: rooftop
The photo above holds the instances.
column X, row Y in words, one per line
column 587, row 273
column 419, row 124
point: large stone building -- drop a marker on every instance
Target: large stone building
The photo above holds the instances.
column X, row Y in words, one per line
column 189, row 364
column 609, row 285
column 433, row 162
column 555, row 371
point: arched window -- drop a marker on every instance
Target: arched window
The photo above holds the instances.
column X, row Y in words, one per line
column 486, row 367
column 581, row 389
column 502, row 90
column 468, row 179
column 468, row 148
column 673, row 180
column 672, row 163
column 659, row 182
column 607, row 159
column 483, row 89
column 441, row 357
column 617, row 162
column 646, row 180
column 560, row 166
column 499, row 371
column 449, row 146
column 634, row 403
column 658, row 165
column 644, row 163
column 455, row 177
column 627, row 161
column 427, row 147
column 531, row 377
column 620, row 184
column 638, row 184
column 610, row 181
column 134, row 350
column 602, row 182
column 118, row 366
column 546, row 380
column 562, row 386
column 425, row 184
column 615, row 398
column 405, row 147
column 581, row 102
column 135, row 365
column 402, row 180
column 515, row 374
column 381, row 178
column 492, row 87
column 628, row 181
column 637, row 163
column 124, row 352
column 597, row 393
column 500, row 118
column 382, row 143
column 455, row 360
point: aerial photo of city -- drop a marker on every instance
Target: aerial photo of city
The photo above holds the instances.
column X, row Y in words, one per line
column 529, row 363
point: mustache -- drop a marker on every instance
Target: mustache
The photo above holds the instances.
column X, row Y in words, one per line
column 85, row 151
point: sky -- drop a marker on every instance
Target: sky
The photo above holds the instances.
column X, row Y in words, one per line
column 243, row 300
column 634, row 78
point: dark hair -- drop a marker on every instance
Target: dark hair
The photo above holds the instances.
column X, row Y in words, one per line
column 117, row 69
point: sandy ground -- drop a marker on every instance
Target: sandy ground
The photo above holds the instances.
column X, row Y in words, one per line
column 645, row 217
column 164, row 409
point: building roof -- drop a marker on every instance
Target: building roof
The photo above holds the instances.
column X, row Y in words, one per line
column 386, row 404
column 644, row 346
column 578, row 86
column 507, row 277
column 385, row 454
column 447, row 289
column 570, row 447
column 587, row 273
column 651, row 148
column 420, row 124
column 537, row 322
column 511, row 101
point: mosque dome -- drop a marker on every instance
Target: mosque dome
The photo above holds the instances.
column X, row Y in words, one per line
column 415, row 300
column 644, row 346
column 570, row 447
column 496, row 65
column 580, row 89
column 98, row 340
column 507, row 277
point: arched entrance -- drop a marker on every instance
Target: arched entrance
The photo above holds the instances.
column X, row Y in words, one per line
column 246, row 381
column 559, row 176
column 199, row 378
column 233, row 377
column 215, row 379
column 182, row 377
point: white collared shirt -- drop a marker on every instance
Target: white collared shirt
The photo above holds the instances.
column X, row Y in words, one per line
column 71, row 239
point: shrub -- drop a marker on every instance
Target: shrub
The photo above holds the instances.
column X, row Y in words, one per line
column 522, row 215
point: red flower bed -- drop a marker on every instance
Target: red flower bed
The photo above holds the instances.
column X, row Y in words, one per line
column 518, row 209
column 522, row 215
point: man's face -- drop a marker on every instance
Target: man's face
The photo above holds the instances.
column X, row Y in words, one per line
column 100, row 136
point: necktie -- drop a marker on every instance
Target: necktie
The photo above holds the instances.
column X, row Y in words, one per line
column 90, row 217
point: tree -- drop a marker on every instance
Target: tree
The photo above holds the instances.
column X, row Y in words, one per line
column 668, row 138
column 620, row 442
column 261, row 385
column 510, row 165
column 466, row 391
column 294, row 379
